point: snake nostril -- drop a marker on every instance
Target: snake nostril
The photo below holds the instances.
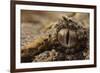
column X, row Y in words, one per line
column 67, row 37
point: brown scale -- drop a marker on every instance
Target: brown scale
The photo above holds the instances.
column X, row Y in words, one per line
column 66, row 36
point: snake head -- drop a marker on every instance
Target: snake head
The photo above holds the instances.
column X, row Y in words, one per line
column 71, row 34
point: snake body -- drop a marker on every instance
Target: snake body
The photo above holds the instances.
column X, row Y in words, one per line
column 66, row 35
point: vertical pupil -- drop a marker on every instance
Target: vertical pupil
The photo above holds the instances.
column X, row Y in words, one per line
column 67, row 37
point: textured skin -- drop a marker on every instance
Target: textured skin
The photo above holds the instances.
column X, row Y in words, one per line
column 76, row 37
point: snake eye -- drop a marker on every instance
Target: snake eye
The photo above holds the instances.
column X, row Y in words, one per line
column 67, row 38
